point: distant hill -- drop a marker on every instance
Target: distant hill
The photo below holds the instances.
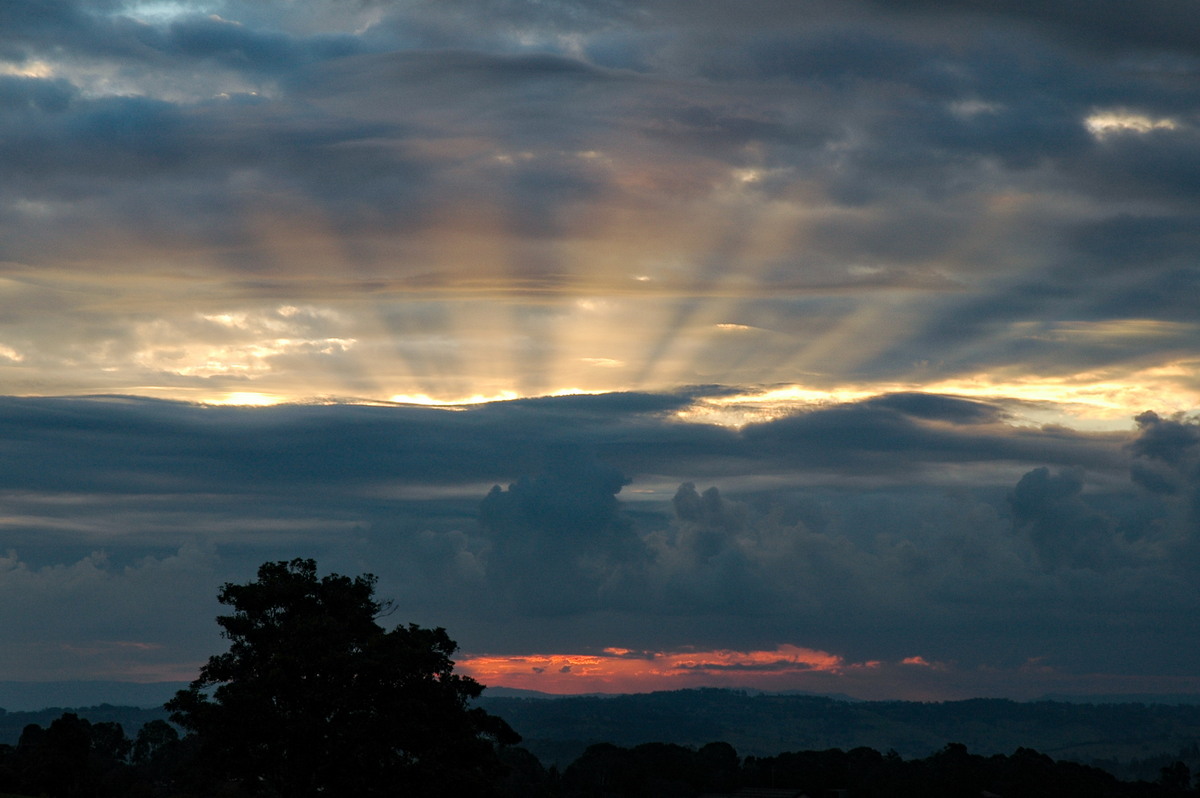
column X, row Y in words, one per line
column 1123, row 738
column 517, row 692
column 1131, row 739
column 31, row 696
column 1125, row 698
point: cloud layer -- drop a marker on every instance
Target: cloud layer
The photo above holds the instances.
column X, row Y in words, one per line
column 943, row 549
column 222, row 200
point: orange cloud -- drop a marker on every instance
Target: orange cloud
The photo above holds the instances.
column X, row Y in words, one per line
column 626, row 670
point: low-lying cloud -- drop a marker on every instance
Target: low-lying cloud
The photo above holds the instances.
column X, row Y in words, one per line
column 609, row 527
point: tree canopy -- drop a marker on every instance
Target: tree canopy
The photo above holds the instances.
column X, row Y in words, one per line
column 314, row 697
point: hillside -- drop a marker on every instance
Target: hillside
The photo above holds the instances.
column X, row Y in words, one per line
column 1132, row 740
column 1125, row 738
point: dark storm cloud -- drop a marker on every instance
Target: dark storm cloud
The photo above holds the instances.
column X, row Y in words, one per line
column 888, row 576
column 48, row 22
column 567, row 520
column 930, row 116
column 1135, row 243
column 1064, row 530
column 66, row 140
column 126, row 444
column 106, row 138
column 1155, row 26
column 234, row 46
column 18, row 95
column 102, row 30
column 902, row 432
column 1167, row 463
column 334, row 456
column 133, row 445
column 564, row 553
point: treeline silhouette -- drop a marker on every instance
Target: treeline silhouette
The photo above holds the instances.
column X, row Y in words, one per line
column 1130, row 740
column 73, row 758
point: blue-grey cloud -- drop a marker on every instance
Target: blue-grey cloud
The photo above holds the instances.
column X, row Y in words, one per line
column 564, row 553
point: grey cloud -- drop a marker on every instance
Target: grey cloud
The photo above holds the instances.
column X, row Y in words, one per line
column 22, row 94
column 1027, row 320
column 357, row 160
column 894, row 433
column 1064, row 531
column 103, row 30
column 894, row 575
column 1156, row 25
column 131, row 445
column 1134, row 242
column 502, row 26
column 558, row 541
column 1169, row 440
column 31, row 19
column 943, row 408
column 469, row 74
column 566, row 557
column 1162, row 165
column 235, row 46
column 1167, row 462
column 92, row 618
column 820, row 53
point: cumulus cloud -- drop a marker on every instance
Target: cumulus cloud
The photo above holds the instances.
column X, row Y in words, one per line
column 1064, row 531
column 1167, row 462
column 558, row 541
column 96, row 619
column 946, row 577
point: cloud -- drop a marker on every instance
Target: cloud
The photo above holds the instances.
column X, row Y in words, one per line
column 1154, row 26
column 923, row 261
column 558, row 542
column 615, row 670
column 1064, row 531
column 75, row 620
column 599, row 533
column 1167, row 463
column 468, row 149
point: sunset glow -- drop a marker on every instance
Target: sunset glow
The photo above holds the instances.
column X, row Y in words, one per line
column 618, row 670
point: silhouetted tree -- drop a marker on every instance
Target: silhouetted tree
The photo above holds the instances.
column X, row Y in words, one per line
column 72, row 757
column 109, row 742
column 315, row 698
column 718, row 765
column 1176, row 776
column 152, row 740
column 158, row 754
column 56, row 759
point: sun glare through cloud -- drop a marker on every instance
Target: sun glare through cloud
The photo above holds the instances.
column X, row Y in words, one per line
column 1103, row 124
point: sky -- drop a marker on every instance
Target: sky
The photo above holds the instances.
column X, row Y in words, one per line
column 848, row 347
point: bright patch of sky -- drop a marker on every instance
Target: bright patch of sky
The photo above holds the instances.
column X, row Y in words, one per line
column 159, row 12
column 1103, row 124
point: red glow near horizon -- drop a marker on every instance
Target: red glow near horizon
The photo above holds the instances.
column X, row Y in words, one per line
column 625, row 671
